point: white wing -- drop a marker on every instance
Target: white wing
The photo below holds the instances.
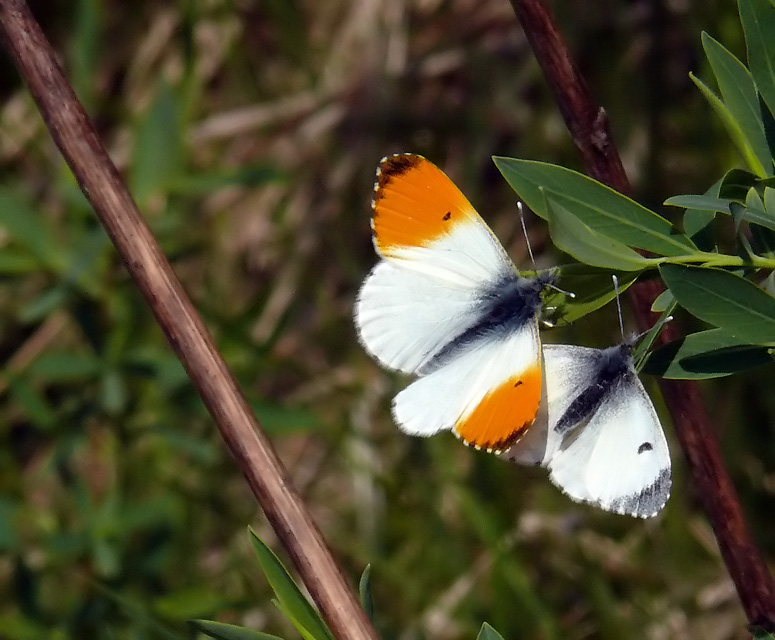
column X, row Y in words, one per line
column 567, row 371
column 404, row 317
column 439, row 258
column 488, row 393
column 618, row 460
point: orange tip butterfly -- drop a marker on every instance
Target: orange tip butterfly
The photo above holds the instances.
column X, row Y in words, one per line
column 446, row 304
column 602, row 443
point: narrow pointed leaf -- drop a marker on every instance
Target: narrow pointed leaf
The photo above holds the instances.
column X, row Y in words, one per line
column 488, row 633
column 757, row 210
column 27, row 229
column 756, row 214
column 700, row 203
column 698, row 223
column 769, row 202
column 736, row 183
column 577, row 239
column 158, row 156
column 758, row 18
column 706, row 354
column 222, row 631
column 288, row 594
column 738, row 91
column 724, row 300
column 662, row 301
column 732, row 126
column 364, row 589
column 640, row 352
column 306, row 634
column 600, row 208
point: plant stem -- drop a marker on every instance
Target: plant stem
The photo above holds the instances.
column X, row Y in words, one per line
column 588, row 125
column 101, row 183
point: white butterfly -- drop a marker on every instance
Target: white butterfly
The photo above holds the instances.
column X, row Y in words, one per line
column 602, row 441
column 446, row 304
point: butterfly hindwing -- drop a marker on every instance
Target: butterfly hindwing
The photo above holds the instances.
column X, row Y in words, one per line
column 607, row 446
column 488, row 394
column 619, row 459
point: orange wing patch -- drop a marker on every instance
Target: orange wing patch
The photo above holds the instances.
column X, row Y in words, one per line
column 415, row 203
column 504, row 414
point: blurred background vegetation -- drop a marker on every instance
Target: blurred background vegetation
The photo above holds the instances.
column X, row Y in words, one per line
column 249, row 133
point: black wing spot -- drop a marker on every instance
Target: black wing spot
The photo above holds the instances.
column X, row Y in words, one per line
column 447, row 215
column 518, row 383
column 646, row 446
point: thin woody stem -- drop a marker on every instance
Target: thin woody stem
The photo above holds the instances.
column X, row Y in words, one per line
column 77, row 140
column 588, row 126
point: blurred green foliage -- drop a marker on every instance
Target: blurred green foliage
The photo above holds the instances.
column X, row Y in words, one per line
column 249, row 133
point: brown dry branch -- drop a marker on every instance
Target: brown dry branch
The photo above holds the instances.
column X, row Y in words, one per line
column 96, row 174
column 588, row 125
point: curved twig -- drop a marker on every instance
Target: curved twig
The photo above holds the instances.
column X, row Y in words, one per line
column 77, row 140
column 588, row 125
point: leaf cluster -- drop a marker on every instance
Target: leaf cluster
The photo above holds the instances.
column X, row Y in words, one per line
column 725, row 282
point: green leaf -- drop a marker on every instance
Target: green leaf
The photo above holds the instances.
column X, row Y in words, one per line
column 114, row 394
column 753, row 211
column 85, row 50
column 662, row 302
column 277, row 419
column 577, row 239
column 724, row 300
column 738, row 91
column 706, row 354
column 488, row 633
column 158, row 152
column 758, row 18
column 222, row 631
column 701, row 203
column 44, row 304
column 760, row 633
column 364, row 589
column 640, row 352
column 248, row 176
column 769, row 202
column 736, row 183
column 600, row 208
column 9, row 536
column 189, row 602
column 14, row 261
column 28, row 228
column 305, row 617
column 32, row 403
column 756, row 210
column 730, row 124
column 592, row 288
column 65, row 366
column 698, row 223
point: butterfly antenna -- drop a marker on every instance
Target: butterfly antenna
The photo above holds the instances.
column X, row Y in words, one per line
column 551, row 285
column 657, row 328
column 618, row 304
column 524, row 231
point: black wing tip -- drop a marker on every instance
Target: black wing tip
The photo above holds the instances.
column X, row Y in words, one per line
column 644, row 504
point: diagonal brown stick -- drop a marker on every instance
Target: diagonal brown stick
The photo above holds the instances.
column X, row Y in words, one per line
column 100, row 182
column 588, row 125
